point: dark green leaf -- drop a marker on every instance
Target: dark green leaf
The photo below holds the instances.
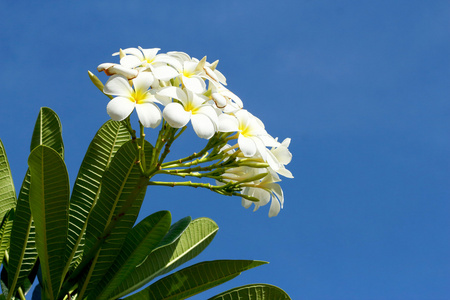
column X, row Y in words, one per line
column 141, row 240
column 7, row 192
column 49, row 204
column 259, row 291
column 164, row 259
column 23, row 254
column 108, row 139
column 113, row 216
column 195, row 279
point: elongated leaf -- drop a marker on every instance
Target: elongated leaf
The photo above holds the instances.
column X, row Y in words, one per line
column 195, row 279
column 121, row 196
column 141, row 240
column 5, row 233
column 47, row 131
column 108, row 139
column 7, row 192
column 49, row 204
column 192, row 241
column 172, row 237
column 258, row 291
column 23, row 253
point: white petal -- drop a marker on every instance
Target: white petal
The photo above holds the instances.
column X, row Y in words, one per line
column 272, row 161
column 244, row 118
column 220, row 100
column 164, row 72
column 117, row 85
column 262, row 195
column 130, row 61
column 196, row 100
column 149, row 114
column 210, row 113
column 113, row 69
column 149, row 53
column 175, row 115
column 203, row 126
column 173, row 92
column 246, row 203
column 282, row 154
column 247, row 146
column 261, row 147
column 195, row 84
column 143, row 81
column 174, row 62
column 276, row 189
column 285, row 172
column 274, row 208
column 133, row 51
column 119, row 108
column 228, row 123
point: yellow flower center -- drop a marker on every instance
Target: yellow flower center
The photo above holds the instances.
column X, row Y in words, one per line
column 245, row 131
column 138, row 96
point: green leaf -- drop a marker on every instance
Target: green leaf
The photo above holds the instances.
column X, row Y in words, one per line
column 164, row 259
column 195, row 279
column 108, row 139
column 259, row 291
column 123, row 190
column 7, row 192
column 47, row 131
column 23, row 254
column 5, row 233
column 141, row 240
column 49, row 204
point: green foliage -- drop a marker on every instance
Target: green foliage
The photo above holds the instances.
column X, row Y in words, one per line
column 109, row 138
column 89, row 247
column 23, row 253
column 49, row 203
column 195, row 279
column 258, row 291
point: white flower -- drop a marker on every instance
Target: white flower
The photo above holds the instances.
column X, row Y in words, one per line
column 191, row 76
column 149, row 59
column 280, row 156
column 128, row 98
column 192, row 107
column 253, row 138
column 264, row 191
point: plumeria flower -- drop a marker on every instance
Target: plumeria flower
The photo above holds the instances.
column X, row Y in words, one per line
column 192, row 107
column 128, row 98
column 191, row 72
column 280, row 156
column 265, row 190
column 224, row 98
column 148, row 58
column 253, row 138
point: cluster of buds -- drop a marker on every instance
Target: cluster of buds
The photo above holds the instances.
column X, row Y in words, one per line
column 173, row 89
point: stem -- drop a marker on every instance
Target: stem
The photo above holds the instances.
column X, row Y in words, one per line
column 187, row 183
column 141, row 149
column 127, row 124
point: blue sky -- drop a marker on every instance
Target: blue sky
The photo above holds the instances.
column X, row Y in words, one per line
column 361, row 87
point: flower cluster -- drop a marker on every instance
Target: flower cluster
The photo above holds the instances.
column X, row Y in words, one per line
column 175, row 88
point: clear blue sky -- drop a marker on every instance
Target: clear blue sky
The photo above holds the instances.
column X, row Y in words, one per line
column 361, row 87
